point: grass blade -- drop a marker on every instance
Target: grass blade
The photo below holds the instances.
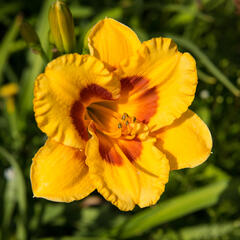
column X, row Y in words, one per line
column 21, row 192
column 212, row 231
column 9, row 200
column 6, row 45
column 78, row 238
column 205, row 77
column 35, row 62
column 173, row 209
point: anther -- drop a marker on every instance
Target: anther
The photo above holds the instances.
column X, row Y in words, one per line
column 127, row 123
column 124, row 116
column 134, row 119
column 119, row 125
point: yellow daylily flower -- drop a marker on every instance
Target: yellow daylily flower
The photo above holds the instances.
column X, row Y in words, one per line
column 117, row 120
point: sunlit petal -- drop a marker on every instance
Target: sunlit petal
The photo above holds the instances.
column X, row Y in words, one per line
column 111, row 41
column 59, row 173
column 161, row 83
column 127, row 172
column 187, row 142
column 61, row 94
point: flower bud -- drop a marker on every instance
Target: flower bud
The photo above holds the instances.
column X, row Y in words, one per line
column 29, row 35
column 62, row 27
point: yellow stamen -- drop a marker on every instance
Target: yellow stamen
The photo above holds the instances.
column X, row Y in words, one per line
column 113, row 124
column 132, row 128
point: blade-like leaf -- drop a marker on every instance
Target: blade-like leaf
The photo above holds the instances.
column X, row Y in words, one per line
column 35, row 62
column 210, row 231
column 21, row 193
column 173, row 209
column 6, row 44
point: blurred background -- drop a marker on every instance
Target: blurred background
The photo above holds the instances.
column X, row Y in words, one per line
column 198, row 204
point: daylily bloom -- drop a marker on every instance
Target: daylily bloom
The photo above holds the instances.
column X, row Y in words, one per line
column 117, row 120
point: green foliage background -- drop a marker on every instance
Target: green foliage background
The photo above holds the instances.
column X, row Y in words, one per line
column 200, row 203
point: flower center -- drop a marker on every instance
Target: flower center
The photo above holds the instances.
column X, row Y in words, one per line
column 131, row 127
column 116, row 125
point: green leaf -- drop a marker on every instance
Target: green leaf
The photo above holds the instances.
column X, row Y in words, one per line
column 208, row 231
column 35, row 63
column 206, row 78
column 9, row 200
column 6, row 44
column 173, row 209
column 21, row 194
column 77, row 238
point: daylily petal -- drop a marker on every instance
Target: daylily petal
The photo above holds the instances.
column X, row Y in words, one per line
column 116, row 181
column 127, row 172
column 152, row 169
column 59, row 173
column 187, row 142
column 111, row 41
column 70, row 83
column 158, row 84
